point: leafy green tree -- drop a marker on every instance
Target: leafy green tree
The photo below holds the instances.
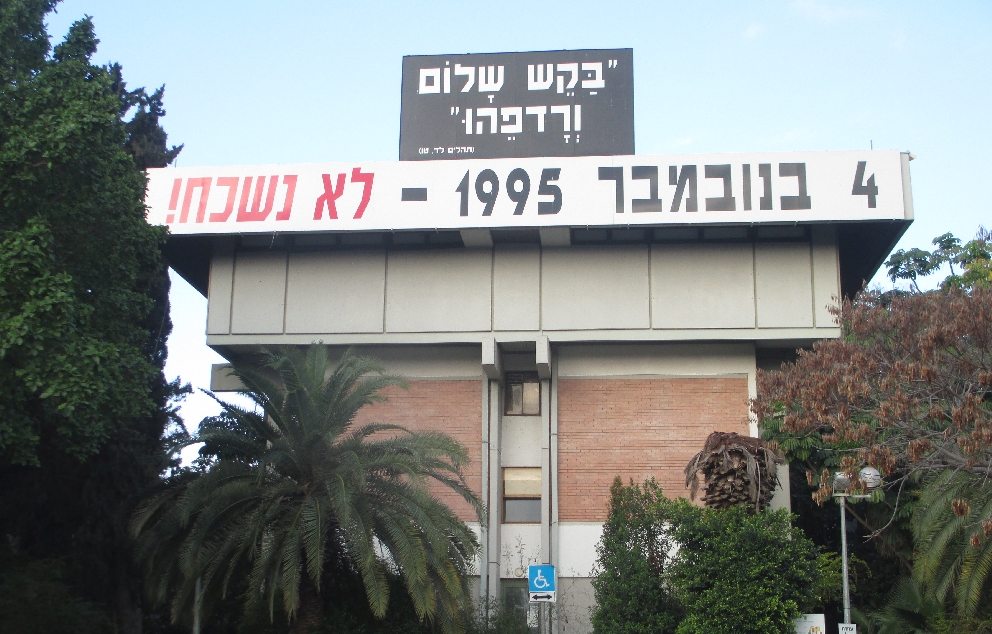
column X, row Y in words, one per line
column 79, row 261
column 294, row 495
column 632, row 591
column 912, row 264
column 34, row 597
column 741, row 572
column 84, row 317
column 974, row 258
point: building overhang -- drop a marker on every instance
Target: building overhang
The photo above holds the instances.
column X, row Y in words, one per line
column 862, row 246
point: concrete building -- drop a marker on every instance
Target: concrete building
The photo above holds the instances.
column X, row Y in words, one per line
column 561, row 355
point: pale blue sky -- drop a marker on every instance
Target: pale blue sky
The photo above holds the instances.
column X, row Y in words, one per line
column 271, row 82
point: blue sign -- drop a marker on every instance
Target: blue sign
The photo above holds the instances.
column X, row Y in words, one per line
column 541, row 578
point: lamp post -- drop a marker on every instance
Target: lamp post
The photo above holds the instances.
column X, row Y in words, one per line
column 872, row 479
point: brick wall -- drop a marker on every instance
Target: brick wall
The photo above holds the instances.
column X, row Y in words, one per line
column 636, row 428
column 452, row 407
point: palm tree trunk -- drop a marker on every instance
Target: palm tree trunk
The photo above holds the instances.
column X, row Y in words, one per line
column 311, row 613
column 128, row 601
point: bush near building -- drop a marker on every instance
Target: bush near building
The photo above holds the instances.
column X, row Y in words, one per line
column 670, row 566
column 741, row 572
column 632, row 593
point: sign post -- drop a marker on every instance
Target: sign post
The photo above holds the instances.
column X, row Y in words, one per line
column 541, row 583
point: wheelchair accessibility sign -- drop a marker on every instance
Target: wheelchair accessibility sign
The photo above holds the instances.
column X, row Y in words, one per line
column 541, row 583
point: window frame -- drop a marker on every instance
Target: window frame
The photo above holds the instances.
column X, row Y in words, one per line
column 517, row 498
column 521, row 496
column 520, row 378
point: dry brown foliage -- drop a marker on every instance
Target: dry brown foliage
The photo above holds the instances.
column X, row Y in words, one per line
column 738, row 471
column 909, row 383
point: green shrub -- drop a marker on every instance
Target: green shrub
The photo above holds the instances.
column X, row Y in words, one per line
column 670, row 567
column 631, row 592
column 495, row 618
column 34, row 597
column 741, row 572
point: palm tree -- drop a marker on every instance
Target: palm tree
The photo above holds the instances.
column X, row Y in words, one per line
column 909, row 609
column 952, row 527
column 297, row 492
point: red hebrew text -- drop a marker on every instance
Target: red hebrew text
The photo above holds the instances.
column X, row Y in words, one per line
column 174, row 200
column 328, row 197
column 191, row 184
column 264, row 186
column 232, row 192
column 358, row 177
column 255, row 215
column 287, row 207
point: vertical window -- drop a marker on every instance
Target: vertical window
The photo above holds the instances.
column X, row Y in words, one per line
column 523, row 394
column 515, row 598
column 522, row 495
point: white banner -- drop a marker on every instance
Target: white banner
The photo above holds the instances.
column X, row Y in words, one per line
column 531, row 192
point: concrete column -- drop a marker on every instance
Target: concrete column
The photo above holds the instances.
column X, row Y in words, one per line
column 547, row 475
column 495, row 510
column 484, row 497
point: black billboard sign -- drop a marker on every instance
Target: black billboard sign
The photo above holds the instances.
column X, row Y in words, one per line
column 510, row 105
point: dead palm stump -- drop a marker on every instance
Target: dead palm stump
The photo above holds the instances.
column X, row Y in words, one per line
column 737, row 470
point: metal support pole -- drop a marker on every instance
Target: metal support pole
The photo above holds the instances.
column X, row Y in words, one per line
column 843, row 548
column 197, row 603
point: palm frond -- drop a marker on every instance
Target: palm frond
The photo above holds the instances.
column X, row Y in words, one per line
column 295, row 479
column 947, row 559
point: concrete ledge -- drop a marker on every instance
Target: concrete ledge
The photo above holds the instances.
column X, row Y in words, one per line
column 786, row 337
column 222, row 380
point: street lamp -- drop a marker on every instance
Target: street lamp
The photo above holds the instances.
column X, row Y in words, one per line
column 872, row 479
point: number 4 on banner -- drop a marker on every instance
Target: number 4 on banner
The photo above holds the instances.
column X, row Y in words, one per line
column 870, row 189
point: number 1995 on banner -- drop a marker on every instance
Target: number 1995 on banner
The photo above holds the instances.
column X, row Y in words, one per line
column 516, row 185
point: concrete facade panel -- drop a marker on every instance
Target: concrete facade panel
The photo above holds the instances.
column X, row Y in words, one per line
column 339, row 292
column 636, row 428
column 517, row 287
column 702, row 286
column 826, row 276
column 520, row 546
column 576, row 601
column 444, row 290
column 667, row 359
column 783, row 283
column 521, row 441
column 259, row 298
column 578, row 559
column 453, row 407
column 219, row 294
column 595, row 287
column 427, row 362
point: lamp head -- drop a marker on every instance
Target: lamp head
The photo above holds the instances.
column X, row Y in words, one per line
column 871, row 477
column 841, row 481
